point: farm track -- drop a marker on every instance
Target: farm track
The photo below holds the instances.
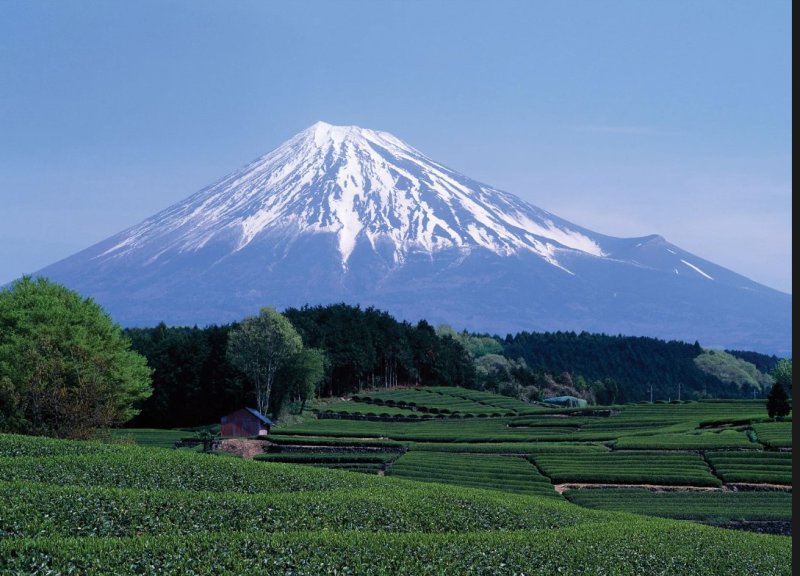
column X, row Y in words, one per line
column 732, row 487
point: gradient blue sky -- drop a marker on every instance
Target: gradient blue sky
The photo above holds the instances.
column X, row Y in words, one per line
column 626, row 117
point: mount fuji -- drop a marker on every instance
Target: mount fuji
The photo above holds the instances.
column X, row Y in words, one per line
column 346, row 214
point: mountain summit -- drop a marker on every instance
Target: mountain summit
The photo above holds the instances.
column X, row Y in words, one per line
column 342, row 213
column 357, row 185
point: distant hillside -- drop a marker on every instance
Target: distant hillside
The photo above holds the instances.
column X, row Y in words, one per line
column 366, row 348
column 634, row 364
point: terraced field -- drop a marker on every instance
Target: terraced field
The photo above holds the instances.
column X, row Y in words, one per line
column 710, row 444
column 467, row 488
column 721, row 440
column 96, row 509
column 774, row 434
column 629, row 467
column 433, row 400
column 760, row 468
column 709, row 506
column 372, row 462
column 507, row 473
column 363, row 408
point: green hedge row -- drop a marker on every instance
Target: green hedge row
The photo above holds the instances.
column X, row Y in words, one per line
column 327, row 457
column 714, row 506
column 627, row 467
column 497, row 472
column 628, row 547
column 726, row 439
column 174, row 470
column 32, row 509
column 760, row 467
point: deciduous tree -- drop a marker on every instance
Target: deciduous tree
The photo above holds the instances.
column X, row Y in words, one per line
column 782, row 373
column 260, row 346
column 66, row 368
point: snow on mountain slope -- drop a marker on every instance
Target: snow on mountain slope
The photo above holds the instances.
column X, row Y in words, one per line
column 346, row 214
column 356, row 184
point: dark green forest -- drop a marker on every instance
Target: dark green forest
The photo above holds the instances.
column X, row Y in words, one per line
column 194, row 382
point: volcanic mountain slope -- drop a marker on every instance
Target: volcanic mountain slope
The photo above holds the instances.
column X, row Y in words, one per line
column 345, row 214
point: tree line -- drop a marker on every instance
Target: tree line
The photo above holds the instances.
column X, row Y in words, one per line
column 632, row 368
column 66, row 369
column 202, row 373
column 347, row 349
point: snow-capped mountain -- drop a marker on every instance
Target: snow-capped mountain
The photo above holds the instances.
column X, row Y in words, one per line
column 341, row 213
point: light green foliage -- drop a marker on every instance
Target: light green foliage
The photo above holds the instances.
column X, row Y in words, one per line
column 65, row 368
column 260, row 346
column 301, row 375
column 732, row 370
column 476, row 346
column 782, row 373
column 497, row 367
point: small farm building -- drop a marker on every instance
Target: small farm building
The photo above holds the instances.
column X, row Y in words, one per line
column 569, row 401
column 245, row 422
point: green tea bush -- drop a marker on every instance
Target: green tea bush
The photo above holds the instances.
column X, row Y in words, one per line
column 716, row 506
column 627, row 547
column 750, row 467
column 627, row 467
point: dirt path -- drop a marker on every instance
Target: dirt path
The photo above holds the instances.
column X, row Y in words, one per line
column 242, row 447
column 732, row 487
column 561, row 488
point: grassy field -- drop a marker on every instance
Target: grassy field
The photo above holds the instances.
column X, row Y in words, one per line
column 93, row 508
column 712, row 444
column 468, row 488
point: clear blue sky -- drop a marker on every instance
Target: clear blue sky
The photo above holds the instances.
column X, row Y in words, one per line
column 626, row 117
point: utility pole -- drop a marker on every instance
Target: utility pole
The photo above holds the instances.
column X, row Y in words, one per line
column 679, row 391
column 651, row 393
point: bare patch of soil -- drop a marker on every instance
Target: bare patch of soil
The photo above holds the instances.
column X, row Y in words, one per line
column 242, row 447
column 561, row 488
column 733, row 487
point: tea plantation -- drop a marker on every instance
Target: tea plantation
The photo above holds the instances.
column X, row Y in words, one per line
column 485, row 486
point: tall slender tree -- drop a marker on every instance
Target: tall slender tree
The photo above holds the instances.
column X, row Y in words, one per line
column 260, row 346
